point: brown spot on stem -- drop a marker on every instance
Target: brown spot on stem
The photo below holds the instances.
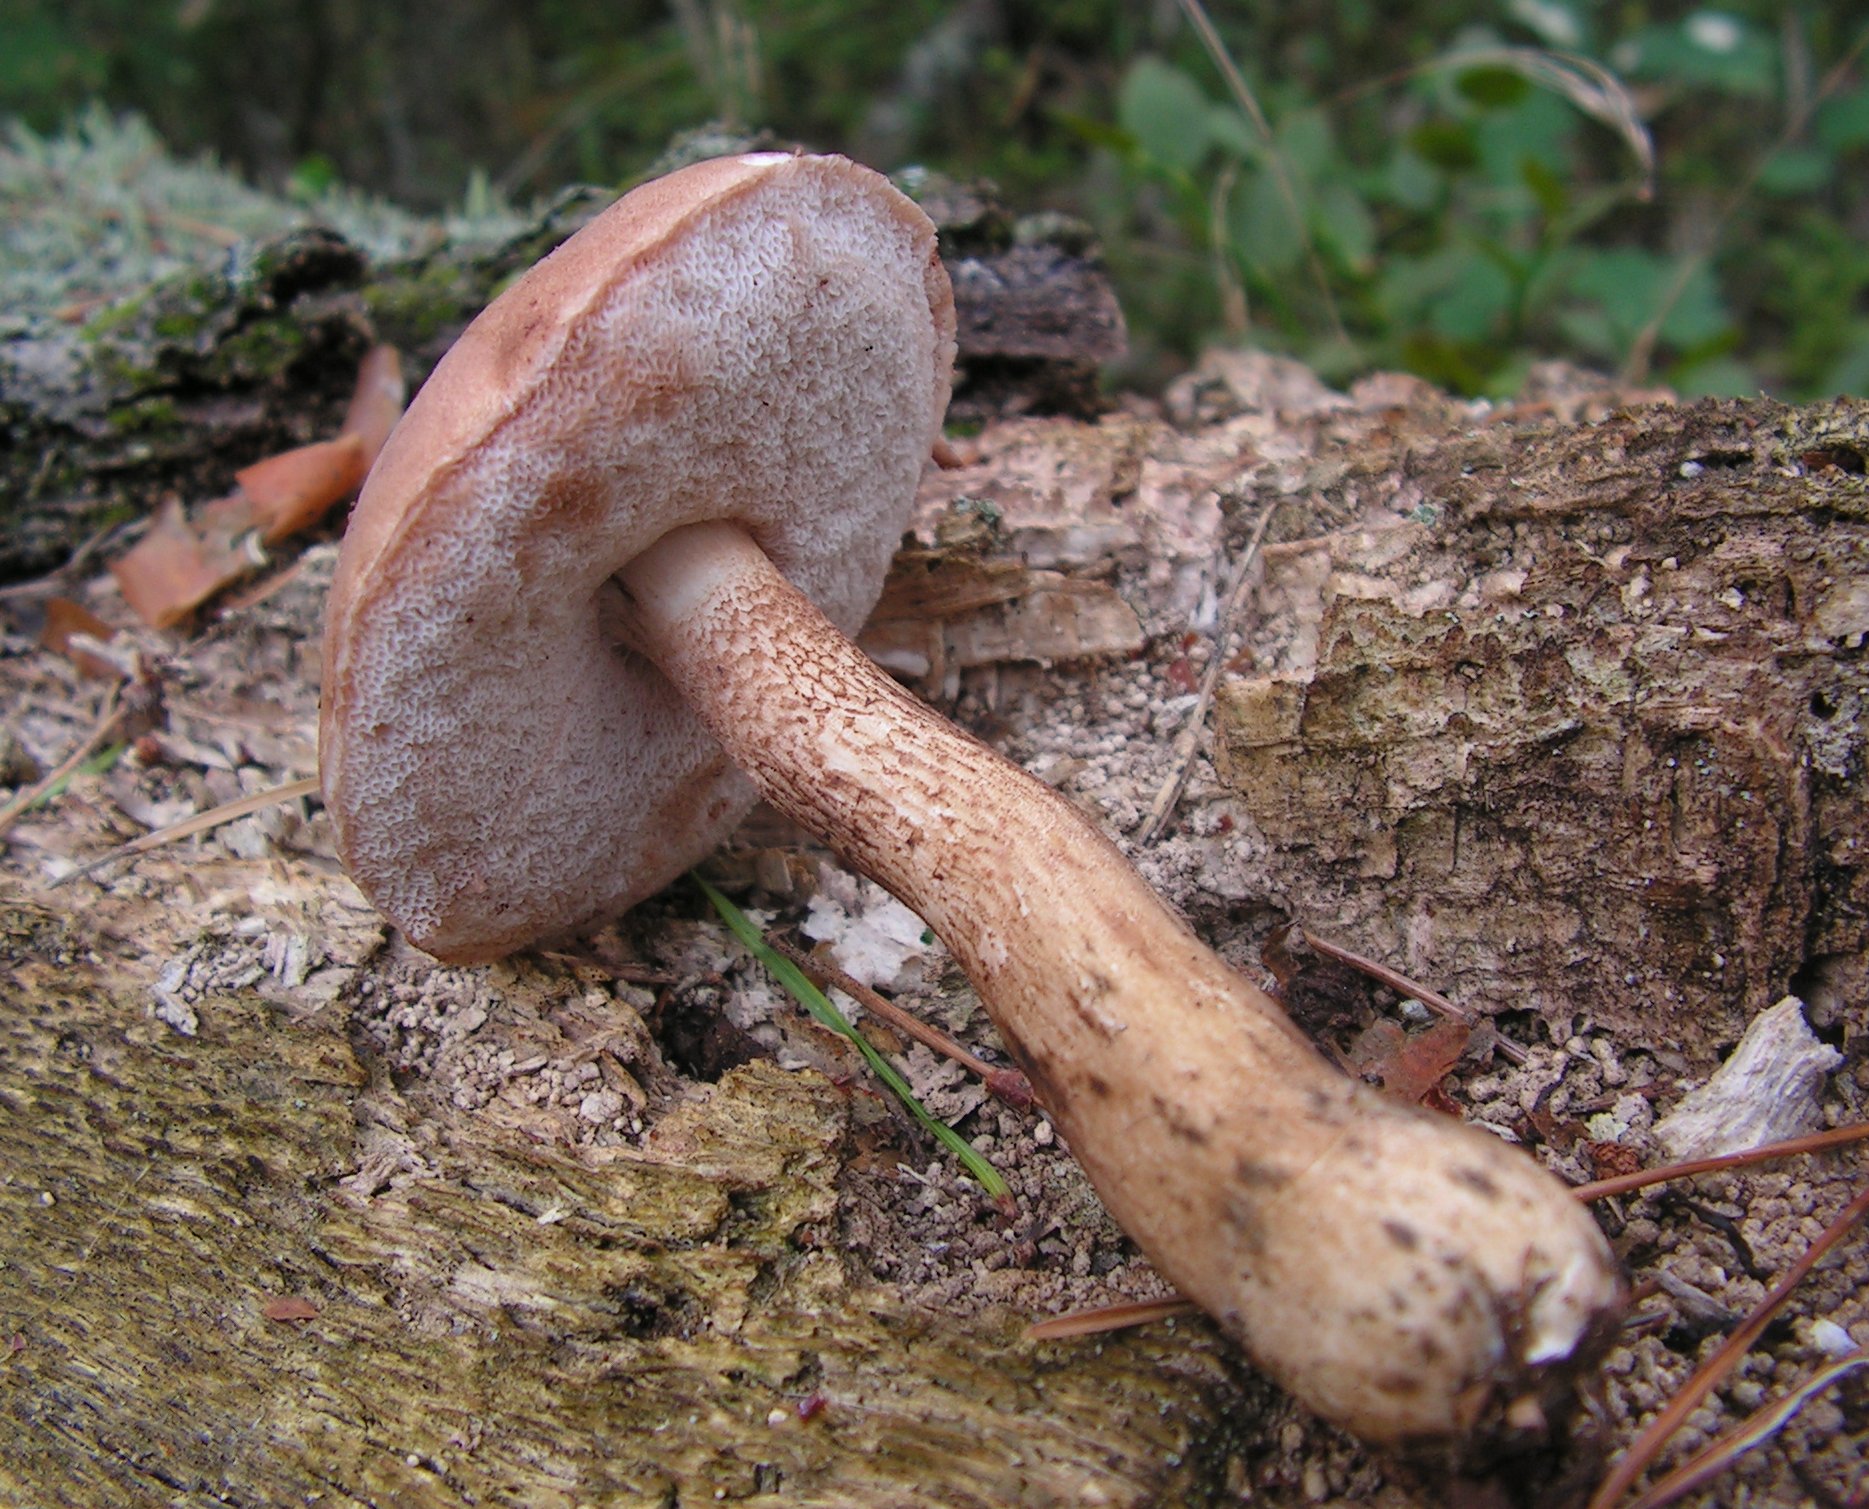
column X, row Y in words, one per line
column 1241, row 1216
column 1178, row 1122
column 1479, row 1181
column 1402, row 1234
column 1255, row 1175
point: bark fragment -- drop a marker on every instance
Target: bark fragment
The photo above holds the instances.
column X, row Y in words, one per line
column 1572, row 720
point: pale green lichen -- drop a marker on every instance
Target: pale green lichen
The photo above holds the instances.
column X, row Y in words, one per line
column 104, row 209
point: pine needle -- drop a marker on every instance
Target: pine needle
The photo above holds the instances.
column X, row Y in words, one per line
column 1755, row 1430
column 1647, row 1445
column 1103, row 1318
column 1008, row 1084
column 1817, row 1142
column 188, row 827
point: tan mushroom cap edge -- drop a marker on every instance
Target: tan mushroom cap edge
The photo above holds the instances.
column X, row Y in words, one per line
column 767, row 339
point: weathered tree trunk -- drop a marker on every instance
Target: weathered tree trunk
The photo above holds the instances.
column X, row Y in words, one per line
column 1565, row 718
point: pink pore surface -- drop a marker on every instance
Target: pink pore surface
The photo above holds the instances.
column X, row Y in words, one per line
column 767, row 340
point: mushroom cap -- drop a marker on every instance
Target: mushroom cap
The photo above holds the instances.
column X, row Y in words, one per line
column 767, row 339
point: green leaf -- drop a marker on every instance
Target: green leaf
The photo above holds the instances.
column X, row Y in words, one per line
column 1096, row 133
column 1473, row 307
column 1345, row 225
column 1547, row 280
column 1410, row 181
column 1711, row 49
column 1232, row 132
column 1307, row 145
column 1797, row 170
column 1448, row 145
column 312, row 175
column 1455, row 292
column 1623, row 281
column 1492, row 88
column 1263, row 228
column 1589, row 330
column 1699, row 313
column 1548, row 188
column 1166, row 113
column 822, row 1011
column 1719, row 377
column 1540, row 129
column 1628, row 286
column 1842, row 121
column 1850, row 372
column 1443, row 362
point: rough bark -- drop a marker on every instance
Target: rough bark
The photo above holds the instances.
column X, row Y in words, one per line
column 171, row 389
column 1581, row 731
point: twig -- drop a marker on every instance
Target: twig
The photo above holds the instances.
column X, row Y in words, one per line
column 1188, row 740
column 53, row 580
column 1602, row 1189
column 188, row 827
column 1586, row 83
column 108, row 723
column 1008, row 1084
column 1394, row 979
column 1275, row 159
column 1646, row 1446
column 1235, row 316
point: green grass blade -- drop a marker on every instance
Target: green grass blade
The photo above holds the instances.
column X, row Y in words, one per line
column 96, row 764
column 818, row 1004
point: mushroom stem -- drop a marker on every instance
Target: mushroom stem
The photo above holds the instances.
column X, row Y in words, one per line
column 1405, row 1275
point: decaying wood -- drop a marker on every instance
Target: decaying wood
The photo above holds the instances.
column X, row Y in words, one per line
column 166, row 391
column 1558, row 712
column 497, row 1319
column 1571, row 719
column 948, row 609
column 1768, row 1090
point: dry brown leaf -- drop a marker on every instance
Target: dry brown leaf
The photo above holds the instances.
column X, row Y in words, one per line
column 178, row 565
column 295, row 489
column 290, row 1309
column 377, row 401
column 1410, row 1065
column 173, row 569
column 67, row 624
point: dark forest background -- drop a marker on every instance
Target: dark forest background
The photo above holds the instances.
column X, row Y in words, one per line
column 1676, row 193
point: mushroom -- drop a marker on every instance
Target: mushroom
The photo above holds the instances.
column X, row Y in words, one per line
column 608, row 563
